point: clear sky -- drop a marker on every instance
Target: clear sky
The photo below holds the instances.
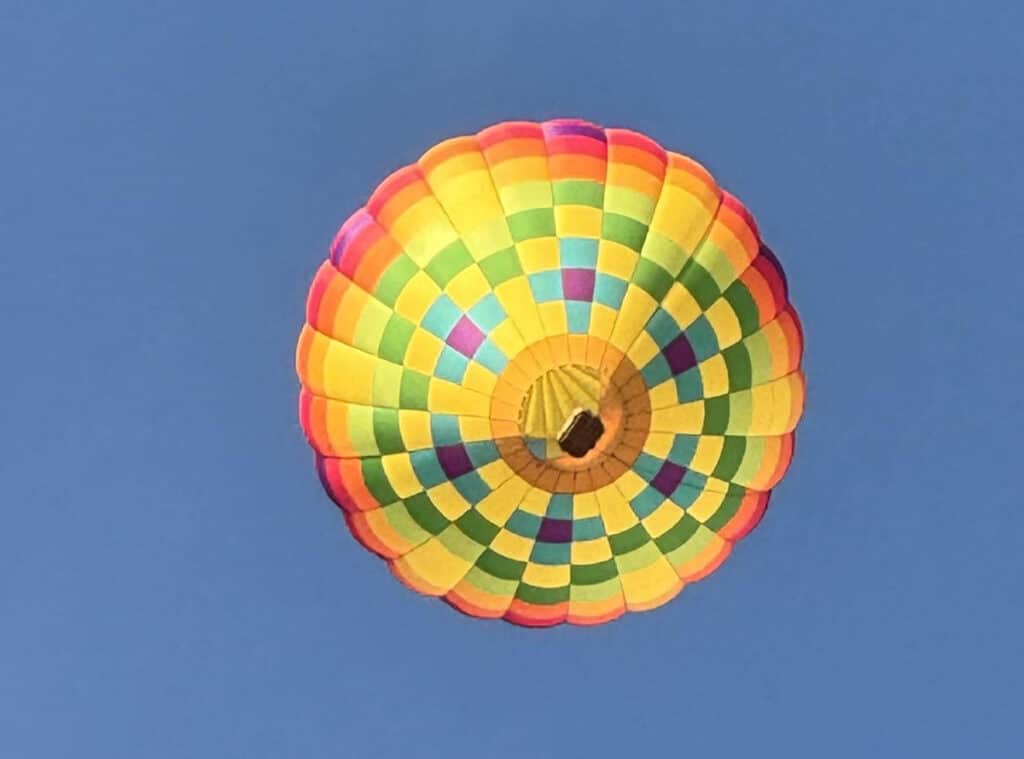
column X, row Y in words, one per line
column 173, row 581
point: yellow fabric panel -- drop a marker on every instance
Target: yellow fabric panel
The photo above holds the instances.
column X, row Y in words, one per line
column 507, row 337
column 473, row 429
column 683, row 419
column 469, row 200
column 630, row 484
column 680, row 303
column 514, row 546
column 502, row 502
column 616, row 259
column 554, row 318
column 709, row 450
column 725, row 323
column 468, row 287
column 535, row 502
column 423, row 230
column 546, row 575
column 417, row 297
column 423, row 351
column 714, row 376
column 774, row 406
column 649, row 587
column 347, row 373
column 494, row 473
column 643, row 348
column 446, row 398
column 415, row 427
column 387, row 381
column 488, row 238
column 637, row 307
column 616, row 512
column 706, row 505
column 682, row 217
column 578, row 221
column 662, row 519
column 539, row 254
column 516, row 298
column 658, row 444
column 665, row 394
column 448, row 501
column 479, row 378
column 591, row 551
column 525, row 195
column 431, row 568
column 400, row 474
column 585, row 505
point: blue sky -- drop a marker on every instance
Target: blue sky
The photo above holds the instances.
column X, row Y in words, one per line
column 174, row 583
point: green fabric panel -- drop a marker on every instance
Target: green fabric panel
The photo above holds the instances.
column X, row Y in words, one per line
column 692, row 547
column 528, row 225
column 500, row 566
column 624, row 230
column 425, row 514
column 478, row 578
column 598, row 591
column 677, row 535
column 402, row 522
column 663, row 251
column 449, row 262
column 501, row 266
column 386, row 430
column 642, row 557
column 477, row 527
column 737, row 362
column 629, row 540
column 742, row 302
column 395, row 339
column 726, row 511
column 394, row 279
column 414, row 391
column 590, row 574
column 716, row 415
column 376, row 481
column 460, row 544
column 542, row 596
column 731, row 457
column 760, row 354
column 578, row 192
column 652, row 278
column 700, row 284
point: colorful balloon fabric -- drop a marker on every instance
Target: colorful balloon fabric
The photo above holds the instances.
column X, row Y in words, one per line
column 550, row 373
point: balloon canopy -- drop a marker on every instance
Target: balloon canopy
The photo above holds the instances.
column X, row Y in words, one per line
column 550, row 373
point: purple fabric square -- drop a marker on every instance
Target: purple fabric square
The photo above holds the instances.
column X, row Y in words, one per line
column 454, row 460
column 575, row 128
column 346, row 234
column 578, row 284
column 679, row 354
column 465, row 337
column 555, row 530
column 668, row 478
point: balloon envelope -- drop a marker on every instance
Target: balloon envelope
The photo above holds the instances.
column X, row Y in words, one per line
column 550, row 373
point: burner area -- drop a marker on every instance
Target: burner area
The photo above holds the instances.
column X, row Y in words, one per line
column 581, row 434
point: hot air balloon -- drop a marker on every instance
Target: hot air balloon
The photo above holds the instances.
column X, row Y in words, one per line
column 550, row 373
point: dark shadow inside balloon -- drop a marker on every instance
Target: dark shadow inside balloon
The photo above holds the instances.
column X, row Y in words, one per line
column 581, row 434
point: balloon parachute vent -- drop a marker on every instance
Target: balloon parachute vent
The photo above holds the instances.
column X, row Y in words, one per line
column 581, row 434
